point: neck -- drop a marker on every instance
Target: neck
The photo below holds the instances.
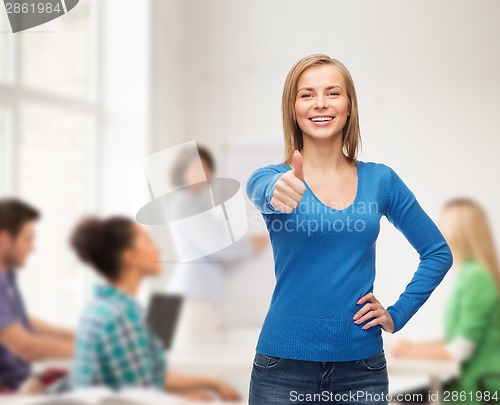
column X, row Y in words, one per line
column 458, row 259
column 323, row 155
column 3, row 265
column 129, row 283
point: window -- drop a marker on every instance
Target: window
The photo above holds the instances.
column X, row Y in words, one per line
column 48, row 151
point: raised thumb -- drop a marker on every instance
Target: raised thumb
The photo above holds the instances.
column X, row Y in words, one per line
column 298, row 169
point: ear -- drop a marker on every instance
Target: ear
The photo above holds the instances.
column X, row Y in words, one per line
column 127, row 257
column 4, row 237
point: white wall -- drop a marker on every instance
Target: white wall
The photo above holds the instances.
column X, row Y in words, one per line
column 427, row 75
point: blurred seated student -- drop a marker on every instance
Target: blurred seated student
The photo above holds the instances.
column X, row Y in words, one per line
column 23, row 339
column 114, row 346
column 472, row 313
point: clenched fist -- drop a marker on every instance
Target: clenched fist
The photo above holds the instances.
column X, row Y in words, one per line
column 290, row 187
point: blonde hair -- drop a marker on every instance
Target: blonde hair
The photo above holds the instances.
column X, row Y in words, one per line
column 471, row 234
column 351, row 136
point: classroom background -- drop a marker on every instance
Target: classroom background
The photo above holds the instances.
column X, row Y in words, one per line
column 86, row 96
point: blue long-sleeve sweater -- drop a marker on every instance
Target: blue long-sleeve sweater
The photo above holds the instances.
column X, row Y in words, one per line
column 325, row 262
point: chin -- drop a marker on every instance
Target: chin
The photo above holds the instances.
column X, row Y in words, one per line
column 321, row 133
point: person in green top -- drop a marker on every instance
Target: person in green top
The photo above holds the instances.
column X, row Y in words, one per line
column 472, row 311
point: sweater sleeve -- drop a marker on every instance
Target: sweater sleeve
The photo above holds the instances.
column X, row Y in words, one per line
column 406, row 214
column 260, row 188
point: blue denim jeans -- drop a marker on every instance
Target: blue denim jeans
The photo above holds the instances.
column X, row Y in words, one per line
column 276, row 380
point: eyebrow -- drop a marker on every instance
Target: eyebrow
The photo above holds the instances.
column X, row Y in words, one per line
column 311, row 89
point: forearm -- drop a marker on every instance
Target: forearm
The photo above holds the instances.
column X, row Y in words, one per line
column 429, row 274
column 47, row 347
column 405, row 213
column 434, row 343
column 434, row 350
column 260, row 188
column 44, row 329
column 181, row 382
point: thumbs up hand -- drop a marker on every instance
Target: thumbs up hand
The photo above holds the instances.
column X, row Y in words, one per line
column 298, row 166
column 290, row 187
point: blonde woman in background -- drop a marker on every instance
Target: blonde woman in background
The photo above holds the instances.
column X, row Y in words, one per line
column 472, row 313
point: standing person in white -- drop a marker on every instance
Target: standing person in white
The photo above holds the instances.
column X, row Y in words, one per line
column 201, row 281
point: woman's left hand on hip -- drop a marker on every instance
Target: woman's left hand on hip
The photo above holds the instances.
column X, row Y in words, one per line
column 373, row 309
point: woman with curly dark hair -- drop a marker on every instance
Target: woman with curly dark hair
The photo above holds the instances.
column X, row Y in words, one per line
column 114, row 346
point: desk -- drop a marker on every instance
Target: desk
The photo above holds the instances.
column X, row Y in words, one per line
column 94, row 400
column 436, row 371
column 212, row 359
column 235, row 359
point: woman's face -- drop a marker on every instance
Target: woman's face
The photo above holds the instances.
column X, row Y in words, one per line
column 144, row 254
column 444, row 223
column 321, row 104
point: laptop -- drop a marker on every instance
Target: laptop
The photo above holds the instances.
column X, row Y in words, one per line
column 163, row 314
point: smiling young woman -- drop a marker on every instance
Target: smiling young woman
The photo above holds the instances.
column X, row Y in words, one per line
column 322, row 337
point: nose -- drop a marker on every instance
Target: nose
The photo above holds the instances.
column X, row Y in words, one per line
column 320, row 101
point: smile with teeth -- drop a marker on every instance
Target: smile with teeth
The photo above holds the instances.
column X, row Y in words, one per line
column 321, row 119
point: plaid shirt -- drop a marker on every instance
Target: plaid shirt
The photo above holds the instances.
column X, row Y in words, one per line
column 114, row 346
